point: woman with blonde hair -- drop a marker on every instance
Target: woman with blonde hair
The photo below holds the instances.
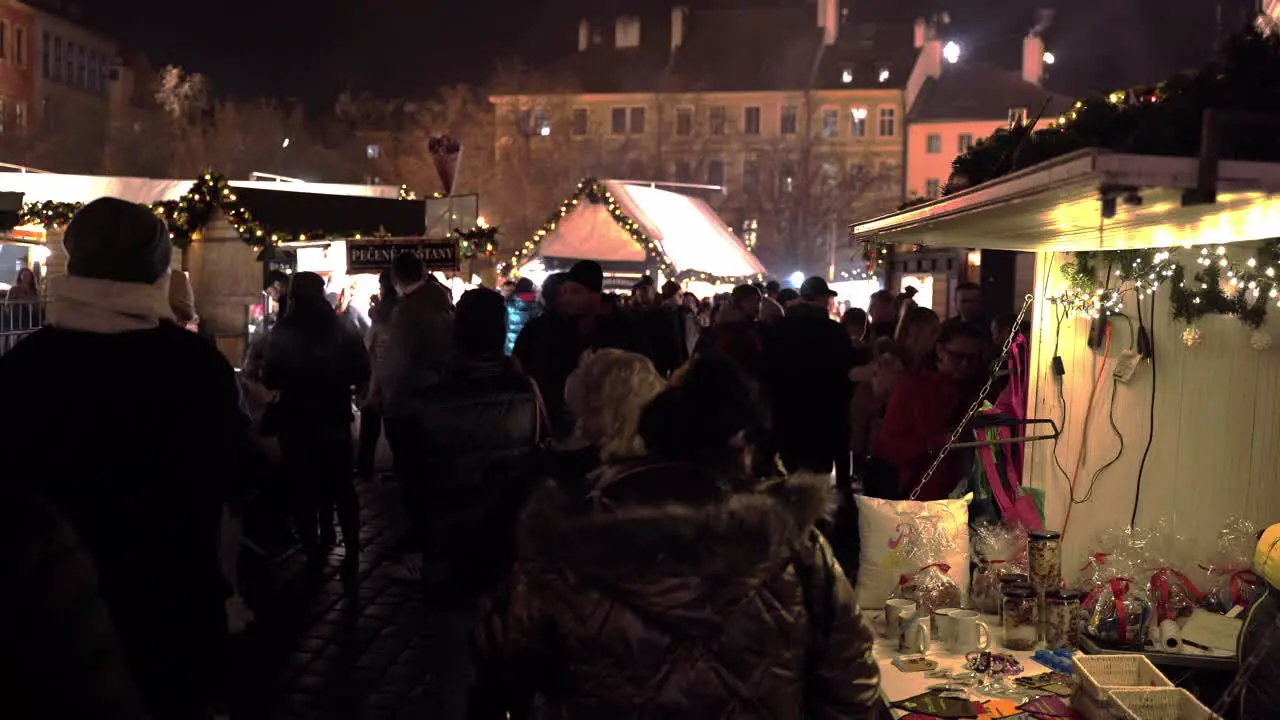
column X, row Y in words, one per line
column 606, row 394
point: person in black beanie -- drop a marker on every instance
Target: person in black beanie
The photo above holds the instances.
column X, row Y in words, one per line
column 583, row 321
column 132, row 426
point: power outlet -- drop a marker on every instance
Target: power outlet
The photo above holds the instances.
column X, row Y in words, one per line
column 1126, row 365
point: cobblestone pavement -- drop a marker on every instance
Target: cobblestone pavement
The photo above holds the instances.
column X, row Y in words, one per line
column 328, row 644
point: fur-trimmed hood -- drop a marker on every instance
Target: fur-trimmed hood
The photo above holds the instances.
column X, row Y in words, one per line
column 650, row 528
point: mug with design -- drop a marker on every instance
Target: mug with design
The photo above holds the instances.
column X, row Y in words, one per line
column 892, row 608
column 913, row 633
column 967, row 632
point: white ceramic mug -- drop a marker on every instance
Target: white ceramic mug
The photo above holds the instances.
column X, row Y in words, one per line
column 892, row 608
column 941, row 624
column 967, row 632
column 913, row 635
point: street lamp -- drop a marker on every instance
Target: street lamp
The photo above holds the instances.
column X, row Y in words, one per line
column 797, row 278
column 951, row 52
column 285, row 144
column 1049, row 58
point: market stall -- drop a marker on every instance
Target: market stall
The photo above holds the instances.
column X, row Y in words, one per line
column 634, row 230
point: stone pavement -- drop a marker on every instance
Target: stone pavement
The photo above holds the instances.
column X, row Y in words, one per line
column 327, row 644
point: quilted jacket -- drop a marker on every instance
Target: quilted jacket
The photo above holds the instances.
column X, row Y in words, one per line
column 670, row 592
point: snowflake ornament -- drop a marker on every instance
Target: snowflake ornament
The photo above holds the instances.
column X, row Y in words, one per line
column 1260, row 340
column 1192, row 336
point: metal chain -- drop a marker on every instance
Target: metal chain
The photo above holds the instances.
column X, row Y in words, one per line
column 996, row 366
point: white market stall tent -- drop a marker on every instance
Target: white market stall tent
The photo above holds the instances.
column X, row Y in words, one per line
column 1193, row 437
column 640, row 228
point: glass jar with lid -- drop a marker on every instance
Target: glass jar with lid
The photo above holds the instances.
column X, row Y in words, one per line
column 1062, row 619
column 1021, row 617
column 1044, row 554
column 1006, row 581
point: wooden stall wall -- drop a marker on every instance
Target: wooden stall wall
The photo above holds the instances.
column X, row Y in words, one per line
column 1215, row 451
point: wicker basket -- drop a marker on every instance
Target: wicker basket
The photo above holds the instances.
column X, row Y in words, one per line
column 1159, row 704
column 1098, row 675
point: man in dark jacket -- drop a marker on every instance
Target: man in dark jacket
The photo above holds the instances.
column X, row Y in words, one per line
column 662, row 325
column 132, row 425
column 807, row 361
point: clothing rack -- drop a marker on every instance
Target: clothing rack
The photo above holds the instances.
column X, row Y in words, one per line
column 990, row 420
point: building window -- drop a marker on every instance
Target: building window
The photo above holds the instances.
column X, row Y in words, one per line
column 830, row 123
column 786, row 179
column 94, row 64
column 750, row 177
column 888, row 122
column 4, row 114
column 57, row 58
column 751, row 233
column 1017, row 117
column 542, row 122
column 4, row 39
column 45, row 49
column 618, row 121
column 373, row 151
column 829, row 175
column 581, row 118
column 858, row 122
column 718, row 120
column 715, row 173
column 789, row 122
column 637, row 121
column 684, row 121
column 963, row 143
column 69, row 69
column 931, row 188
column 684, row 171
column 20, row 116
column 751, row 121
column 20, row 45
column 82, row 68
column 933, row 143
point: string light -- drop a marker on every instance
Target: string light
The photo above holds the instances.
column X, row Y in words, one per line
column 596, row 193
column 210, row 193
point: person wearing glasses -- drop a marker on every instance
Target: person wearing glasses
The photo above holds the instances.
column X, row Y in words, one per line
column 925, row 408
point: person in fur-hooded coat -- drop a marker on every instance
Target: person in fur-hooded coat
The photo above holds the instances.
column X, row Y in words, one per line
column 682, row 586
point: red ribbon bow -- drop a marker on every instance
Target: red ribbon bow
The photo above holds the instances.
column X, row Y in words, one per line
column 945, row 568
column 1239, row 578
column 1098, row 558
column 1160, row 585
column 1119, row 587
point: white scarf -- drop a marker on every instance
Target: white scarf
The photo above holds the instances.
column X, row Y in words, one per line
column 108, row 307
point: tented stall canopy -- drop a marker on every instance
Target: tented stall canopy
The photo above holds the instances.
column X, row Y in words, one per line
column 634, row 229
column 1135, row 260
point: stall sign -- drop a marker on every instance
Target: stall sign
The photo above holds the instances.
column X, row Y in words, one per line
column 377, row 256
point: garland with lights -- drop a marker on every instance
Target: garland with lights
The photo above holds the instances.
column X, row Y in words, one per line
column 1160, row 120
column 594, row 192
column 1221, row 286
column 210, row 193
column 477, row 241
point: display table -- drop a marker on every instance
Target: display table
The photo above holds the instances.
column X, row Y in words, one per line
column 896, row 685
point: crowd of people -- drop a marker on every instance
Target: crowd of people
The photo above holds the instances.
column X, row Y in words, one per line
column 635, row 499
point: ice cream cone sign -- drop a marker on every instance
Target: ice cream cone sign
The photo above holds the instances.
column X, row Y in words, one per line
column 446, row 153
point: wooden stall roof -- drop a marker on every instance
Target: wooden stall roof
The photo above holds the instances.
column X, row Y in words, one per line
column 1057, row 206
column 324, row 215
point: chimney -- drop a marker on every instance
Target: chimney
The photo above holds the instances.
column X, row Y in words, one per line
column 1033, row 58
column 679, row 17
column 584, row 35
column 928, row 61
column 829, row 20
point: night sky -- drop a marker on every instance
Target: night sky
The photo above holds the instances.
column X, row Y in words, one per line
column 314, row 49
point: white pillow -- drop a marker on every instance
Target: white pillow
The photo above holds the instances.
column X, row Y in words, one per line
column 883, row 525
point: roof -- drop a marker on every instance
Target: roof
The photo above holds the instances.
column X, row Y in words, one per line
column 980, row 91
column 722, row 52
column 1056, row 206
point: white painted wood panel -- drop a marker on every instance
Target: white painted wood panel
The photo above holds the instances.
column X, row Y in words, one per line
column 1215, row 452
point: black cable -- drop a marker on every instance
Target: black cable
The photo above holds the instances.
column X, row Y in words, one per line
column 1111, row 418
column 1060, row 316
column 1151, row 423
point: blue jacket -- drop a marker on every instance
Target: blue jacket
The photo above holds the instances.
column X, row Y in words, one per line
column 520, row 310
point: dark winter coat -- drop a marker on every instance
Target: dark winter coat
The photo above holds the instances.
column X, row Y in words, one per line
column 315, row 363
column 476, row 429
column 668, row 594
column 61, row 657
column 133, row 435
column 521, row 309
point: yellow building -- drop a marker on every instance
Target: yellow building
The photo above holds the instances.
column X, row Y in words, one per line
column 789, row 120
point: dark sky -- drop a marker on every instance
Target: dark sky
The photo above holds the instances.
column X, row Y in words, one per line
column 313, row 49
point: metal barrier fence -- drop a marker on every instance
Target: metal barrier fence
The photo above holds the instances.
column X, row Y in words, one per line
column 18, row 319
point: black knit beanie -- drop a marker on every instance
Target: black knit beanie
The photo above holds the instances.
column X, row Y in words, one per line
column 112, row 239
column 588, row 274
